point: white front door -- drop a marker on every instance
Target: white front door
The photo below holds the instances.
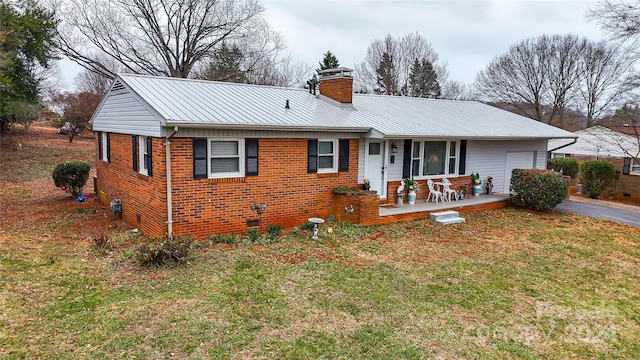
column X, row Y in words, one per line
column 375, row 166
column 517, row 160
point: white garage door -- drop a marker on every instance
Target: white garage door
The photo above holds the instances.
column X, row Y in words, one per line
column 517, row 160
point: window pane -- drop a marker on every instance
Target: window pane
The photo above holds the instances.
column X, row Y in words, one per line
column 224, row 148
column 434, row 157
column 452, row 165
column 374, row 149
column 325, row 162
column 415, row 167
column 224, row 165
column 452, row 148
column 416, row 150
column 325, row 147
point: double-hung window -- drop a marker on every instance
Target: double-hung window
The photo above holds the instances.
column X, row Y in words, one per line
column 327, row 156
column 104, row 146
column 144, row 153
column 635, row 167
column 225, row 158
column 434, row 158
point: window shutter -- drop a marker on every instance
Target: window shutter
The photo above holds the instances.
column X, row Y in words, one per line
column 312, row 161
column 134, row 151
column 199, row 158
column 108, row 148
column 148, row 157
column 251, row 157
column 463, row 157
column 100, row 145
column 626, row 166
column 406, row 163
column 343, row 160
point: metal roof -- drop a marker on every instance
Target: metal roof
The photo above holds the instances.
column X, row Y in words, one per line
column 598, row 141
column 200, row 103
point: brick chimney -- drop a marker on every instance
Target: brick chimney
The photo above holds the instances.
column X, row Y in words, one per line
column 337, row 84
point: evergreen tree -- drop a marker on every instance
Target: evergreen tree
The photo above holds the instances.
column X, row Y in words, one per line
column 26, row 42
column 387, row 78
column 226, row 65
column 423, row 80
column 328, row 62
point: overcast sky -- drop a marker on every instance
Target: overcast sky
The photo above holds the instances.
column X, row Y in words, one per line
column 466, row 34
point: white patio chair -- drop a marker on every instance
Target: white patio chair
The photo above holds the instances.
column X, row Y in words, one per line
column 437, row 194
column 447, row 191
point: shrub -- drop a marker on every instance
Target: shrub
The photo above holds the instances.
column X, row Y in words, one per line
column 169, row 251
column 225, row 239
column 253, row 234
column 596, row 176
column 71, row 176
column 568, row 166
column 345, row 190
column 537, row 189
column 274, row 230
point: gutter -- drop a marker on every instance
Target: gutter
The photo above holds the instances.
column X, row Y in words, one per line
column 169, row 189
column 355, row 129
column 562, row 146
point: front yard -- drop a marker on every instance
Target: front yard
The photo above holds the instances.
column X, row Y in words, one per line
column 507, row 284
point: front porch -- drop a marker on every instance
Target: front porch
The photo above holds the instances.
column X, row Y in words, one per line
column 388, row 213
column 421, row 206
column 367, row 210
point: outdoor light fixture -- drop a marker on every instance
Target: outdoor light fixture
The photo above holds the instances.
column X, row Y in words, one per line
column 394, row 147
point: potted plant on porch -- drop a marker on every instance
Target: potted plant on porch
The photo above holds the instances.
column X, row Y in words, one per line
column 476, row 183
column 411, row 186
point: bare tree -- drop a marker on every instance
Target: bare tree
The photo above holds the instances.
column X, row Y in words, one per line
column 619, row 19
column 606, row 79
column 400, row 57
column 94, row 82
column 547, row 76
column 518, row 77
column 159, row 37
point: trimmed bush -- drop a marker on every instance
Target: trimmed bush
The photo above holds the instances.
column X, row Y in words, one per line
column 345, row 190
column 537, row 189
column 71, row 176
column 596, row 177
column 568, row 166
column 169, row 251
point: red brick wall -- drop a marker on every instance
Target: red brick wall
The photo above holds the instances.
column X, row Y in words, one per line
column 143, row 197
column 339, row 89
column 365, row 208
column 208, row 206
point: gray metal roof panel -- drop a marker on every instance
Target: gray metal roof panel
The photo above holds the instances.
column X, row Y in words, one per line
column 208, row 103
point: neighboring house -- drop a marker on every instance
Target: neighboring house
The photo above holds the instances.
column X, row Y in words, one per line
column 598, row 142
column 193, row 157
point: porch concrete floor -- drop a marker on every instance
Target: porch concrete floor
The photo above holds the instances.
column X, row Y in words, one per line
column 423, row 206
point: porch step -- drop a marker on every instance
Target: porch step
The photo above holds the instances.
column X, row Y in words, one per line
column 447, row 217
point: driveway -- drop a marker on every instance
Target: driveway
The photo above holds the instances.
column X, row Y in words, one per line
column 625, row 214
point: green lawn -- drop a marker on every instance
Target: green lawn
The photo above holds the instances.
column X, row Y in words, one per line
column 507, row 284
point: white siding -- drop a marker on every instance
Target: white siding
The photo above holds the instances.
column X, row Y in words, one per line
column 361, row 152
column 121, row 112
column 394, row 171
column 488, row 158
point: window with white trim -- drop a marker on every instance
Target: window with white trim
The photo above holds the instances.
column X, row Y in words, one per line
column 144, row 156
column 105, row 146
column 635, row 167
column 226, row 158
column 327, row 156
column 434, row 158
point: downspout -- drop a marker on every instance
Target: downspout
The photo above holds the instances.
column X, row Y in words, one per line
column 560, row 147
column 169, row 190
